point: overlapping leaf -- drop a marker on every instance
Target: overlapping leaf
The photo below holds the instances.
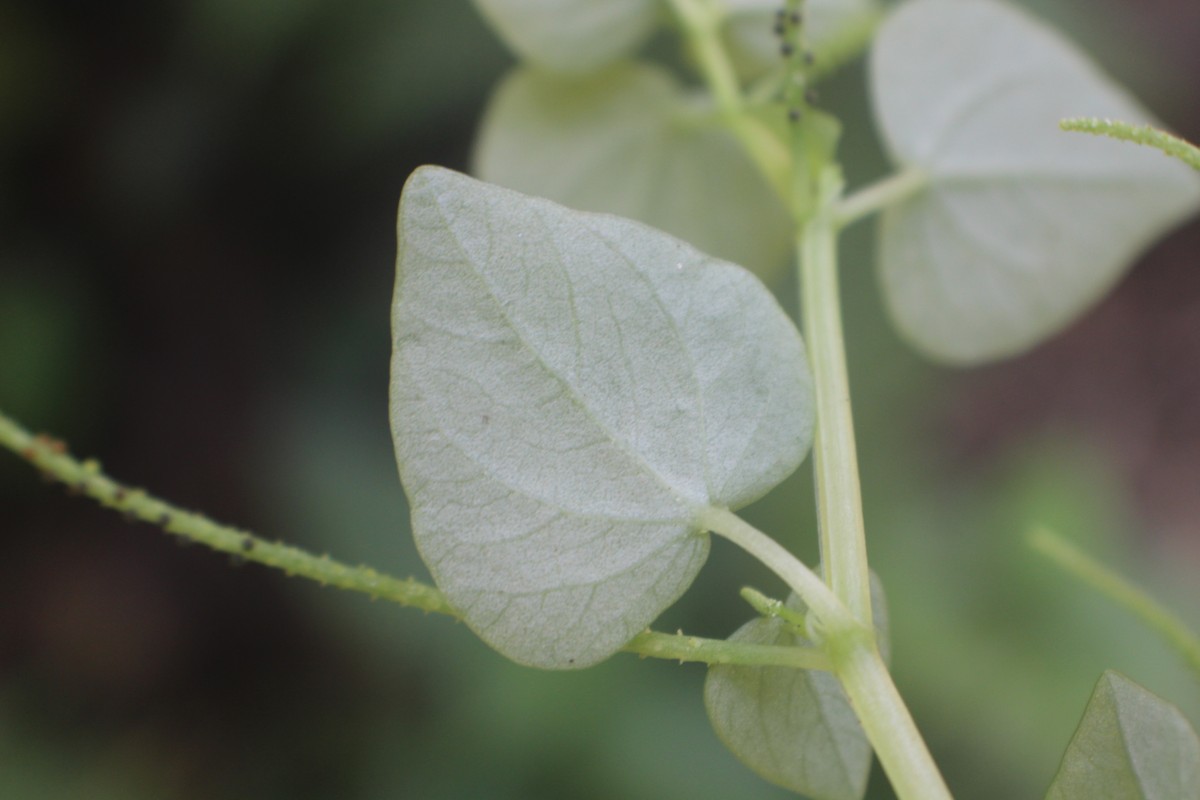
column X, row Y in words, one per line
column 1130, row 745
column 749, row 29
column 793, row 727
column 572, row 35
column 630, row 141
column 569, row 391
column 1022, row 227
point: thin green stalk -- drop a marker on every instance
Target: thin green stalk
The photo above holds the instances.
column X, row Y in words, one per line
column 856, row 660
column 878, row 196
column 679, row 647
column 800, row 579
column 1120, row 591
column 898, row 744
column 701, row 23
column 835, row 461
column 1171, row 145
column 86, row 479
column 774, row 609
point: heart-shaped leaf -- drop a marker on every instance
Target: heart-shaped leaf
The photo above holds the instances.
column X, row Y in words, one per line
column 568, row 392
column 793, row 727
column 630, row 141
column 1022, row 226
column 571, row 35
column 1130, row 745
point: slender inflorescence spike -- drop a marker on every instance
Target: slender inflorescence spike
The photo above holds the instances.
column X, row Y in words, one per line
column 798, row 57
column 52, row 460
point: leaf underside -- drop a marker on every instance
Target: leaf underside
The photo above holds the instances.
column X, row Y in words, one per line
column 1130, row 745
column 631, row 141
column 1022, row 226
column 569, row 391
column 571, row 36
column 793, row 727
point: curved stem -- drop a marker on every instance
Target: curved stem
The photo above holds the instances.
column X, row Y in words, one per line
column 1120, row 591
column 680, row 647
column 701, row 22
column 1169, row 144
column 879, row 195
column 799, row 578
column 86, row 479
column 855, row 660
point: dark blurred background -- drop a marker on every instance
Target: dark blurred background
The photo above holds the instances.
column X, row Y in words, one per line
column 196, row 257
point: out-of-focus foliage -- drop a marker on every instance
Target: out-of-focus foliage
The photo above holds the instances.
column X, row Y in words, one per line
column 793, row 727
column 1130, row 743
column 632, row 141
column 1020, row 228
column 197, row 207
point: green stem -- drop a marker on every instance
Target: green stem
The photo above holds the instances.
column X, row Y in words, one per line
column 85, row 478
column 854, row 651
column 1138, row 134
column 832, row 614
column 855, row 660
column 835, row 462
column 889, row 726
column 1121, row 591
column 681, row 648
column 879, row 195
column 771, row 608
column 701, row 22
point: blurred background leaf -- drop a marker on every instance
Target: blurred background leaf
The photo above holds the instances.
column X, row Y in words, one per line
column 197, row 209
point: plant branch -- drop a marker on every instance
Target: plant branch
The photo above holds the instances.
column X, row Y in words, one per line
column 833, row 615
column 85, row 478
column 1138, row 134
column 835, row 461
column 854, row 651
column 888, row 725
column 878, row 196
column 681, row 647
column 701, row 23
column 1119, row 590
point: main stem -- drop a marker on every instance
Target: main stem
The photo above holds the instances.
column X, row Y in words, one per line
column 889, row 726
column 835, row 461
column 856, row 658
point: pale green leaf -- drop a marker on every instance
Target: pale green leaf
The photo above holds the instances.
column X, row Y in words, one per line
column 1022, row 227
column 630, row 141
column 1130, row 745
column 832, row 27
column 572, row 35
column 793, row 727
column 569, row 391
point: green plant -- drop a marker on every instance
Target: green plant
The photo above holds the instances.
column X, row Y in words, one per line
column 579, row 400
